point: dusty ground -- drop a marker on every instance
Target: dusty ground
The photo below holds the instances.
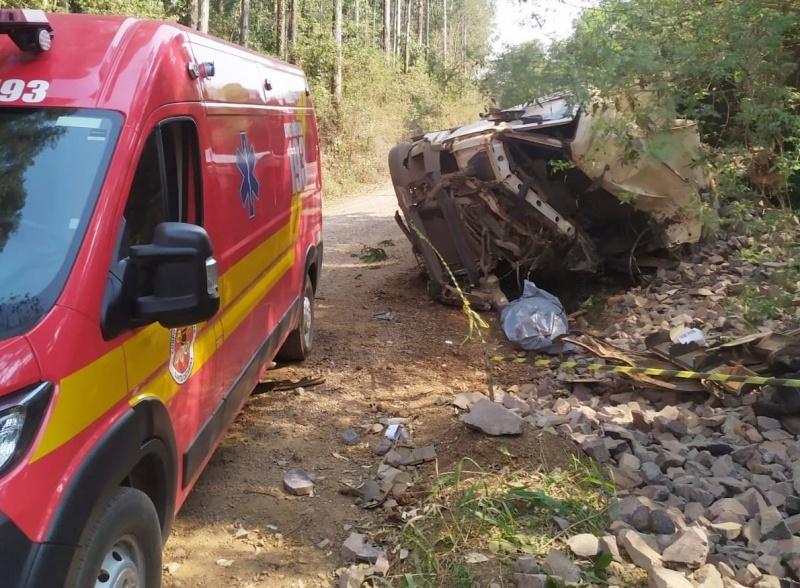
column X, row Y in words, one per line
column 238, row 512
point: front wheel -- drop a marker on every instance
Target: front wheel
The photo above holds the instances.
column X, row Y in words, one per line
column 300, row 341
column 121, row 545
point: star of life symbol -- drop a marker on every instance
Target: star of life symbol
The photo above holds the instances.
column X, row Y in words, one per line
column 246, row 162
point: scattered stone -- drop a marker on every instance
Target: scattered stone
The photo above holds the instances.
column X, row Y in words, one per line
column 661, row 522
column 514, row 402
column 768, row 582
column 475, row 557
column 608, row 544
column 659, row 577
column 792, row 505
column 298, row 482
column 530, row 580
column 694, row 494
column 770, row 564
column 558, row 564
column 464, row 400
column 765, row 423
column 493, row 419
column 728, row 530
column 651, row 472
column 640, row 519
column 693, row 511
column 421, row 455
column 597, row 450
column 562, row 407
column 748, row 575
column 630, row 461
column 690, row 548
column 383, row 446
column 358, row 548
column 527, row 564
column 773, row 526
column 350, row 437
column 707, row 576
column 584, row 545
column 638, row 550
column 224, row 563
column 625, row 478
column 352, row 576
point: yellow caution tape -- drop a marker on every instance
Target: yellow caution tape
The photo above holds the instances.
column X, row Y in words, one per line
column 650, row 371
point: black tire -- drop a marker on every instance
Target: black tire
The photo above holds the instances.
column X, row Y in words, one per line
column 299, row 343
column 123, row 536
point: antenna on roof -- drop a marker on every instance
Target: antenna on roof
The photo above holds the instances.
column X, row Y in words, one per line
column 29, row 29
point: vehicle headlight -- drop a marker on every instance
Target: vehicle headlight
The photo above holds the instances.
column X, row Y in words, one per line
column 11, row 425
column 20, row 416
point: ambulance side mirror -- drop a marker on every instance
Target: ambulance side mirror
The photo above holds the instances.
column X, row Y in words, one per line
column 176, row 277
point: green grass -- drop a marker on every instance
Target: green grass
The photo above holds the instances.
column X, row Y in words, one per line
column 372, row 254
column 503, row 514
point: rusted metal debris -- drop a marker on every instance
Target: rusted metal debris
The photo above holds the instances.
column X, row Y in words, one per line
column 543, row 188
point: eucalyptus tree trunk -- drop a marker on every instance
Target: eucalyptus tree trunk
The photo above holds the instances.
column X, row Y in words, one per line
column 407, row 56
column 358, row 13
column 337, row 35
column 203, row 12
column 281, row 26
column 444, row 35
column 420, row 21
column 293, row 29
column 398, row 5
column 194, row 9
column 244, row 27
column 427, row 26
column 387, row 26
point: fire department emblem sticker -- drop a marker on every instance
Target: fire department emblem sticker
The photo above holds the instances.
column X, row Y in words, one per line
column 181, row 352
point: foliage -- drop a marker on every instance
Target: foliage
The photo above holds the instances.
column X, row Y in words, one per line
column 507, row 513
column 732, row 65
column 514, row 76
column 381, row 104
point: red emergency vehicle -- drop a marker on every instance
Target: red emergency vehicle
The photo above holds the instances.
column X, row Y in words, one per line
column 160, row 241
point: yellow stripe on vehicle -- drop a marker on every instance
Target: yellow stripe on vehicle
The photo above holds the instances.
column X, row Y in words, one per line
column 84, row 396
column 88, row 393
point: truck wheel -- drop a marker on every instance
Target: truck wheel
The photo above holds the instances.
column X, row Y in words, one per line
column 300, row 341
column 121, row 545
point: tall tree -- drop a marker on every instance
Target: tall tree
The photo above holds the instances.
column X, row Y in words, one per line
column 420, row 20
column 281, row 29
column 358, row 13
column 337, row 35
column 444, row 34
column 407, row 55
column 293, row 29
column 398, row 5
column 203, row 14
column 244, row 27
column 194, row 13
column 387, row 26
column 427, row 26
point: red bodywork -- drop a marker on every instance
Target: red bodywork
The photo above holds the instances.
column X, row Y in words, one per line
column 141, row 70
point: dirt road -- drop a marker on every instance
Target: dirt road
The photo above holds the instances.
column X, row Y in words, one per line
column 238, row 527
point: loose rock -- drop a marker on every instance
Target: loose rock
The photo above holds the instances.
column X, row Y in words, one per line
column 493, row 419
column 584, row 545
column 298, row 482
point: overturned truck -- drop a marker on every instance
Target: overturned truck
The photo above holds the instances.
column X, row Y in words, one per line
column 548, row 188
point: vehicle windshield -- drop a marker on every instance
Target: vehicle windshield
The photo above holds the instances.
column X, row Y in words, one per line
column 52, row 164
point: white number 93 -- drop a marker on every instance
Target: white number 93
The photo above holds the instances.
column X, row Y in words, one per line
column 32, row 92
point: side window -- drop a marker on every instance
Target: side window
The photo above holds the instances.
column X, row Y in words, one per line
column 166, row 185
